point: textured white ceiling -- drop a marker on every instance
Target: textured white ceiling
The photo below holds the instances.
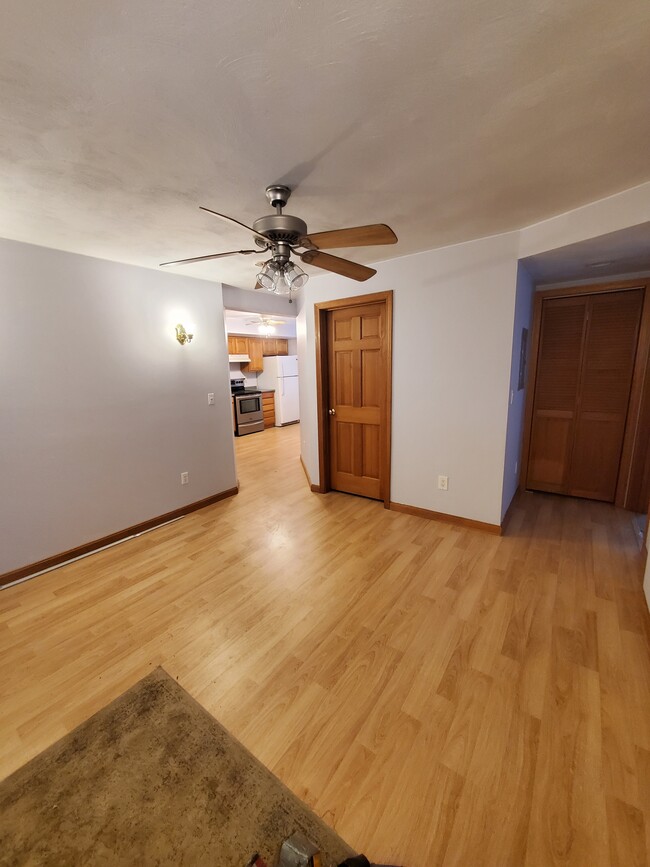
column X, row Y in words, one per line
column 625, row 251
column 447, row 120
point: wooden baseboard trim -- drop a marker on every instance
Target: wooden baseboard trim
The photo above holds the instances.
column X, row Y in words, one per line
column 495, row 529
column 89, row 547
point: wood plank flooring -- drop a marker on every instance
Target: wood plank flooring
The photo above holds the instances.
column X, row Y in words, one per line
column 437, row 694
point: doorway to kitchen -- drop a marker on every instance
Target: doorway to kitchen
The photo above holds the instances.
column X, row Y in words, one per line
column 353, row 375
column 263, row 371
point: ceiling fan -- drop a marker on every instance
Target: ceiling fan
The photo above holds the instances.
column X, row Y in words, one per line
column 265, row 325
column 283, row 235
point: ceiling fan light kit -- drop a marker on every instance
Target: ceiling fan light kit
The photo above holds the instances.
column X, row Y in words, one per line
column 283, row 235
column 294, row 276
column 268, row 276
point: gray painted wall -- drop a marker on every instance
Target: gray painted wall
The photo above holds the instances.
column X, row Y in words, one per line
column 452, row 339
column 101, row 407
column 257, row 302
column 514, row 434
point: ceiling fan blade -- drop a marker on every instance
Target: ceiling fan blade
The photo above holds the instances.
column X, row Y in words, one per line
column 264, row 321
column 258, row 285
column 339, row 266
column 233, row 220
column 205, row 258
column 359, row 236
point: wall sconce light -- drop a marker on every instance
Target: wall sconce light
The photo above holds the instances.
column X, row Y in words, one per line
column 184, row 335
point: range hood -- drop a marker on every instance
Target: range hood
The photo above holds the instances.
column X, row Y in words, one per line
column 239, row 359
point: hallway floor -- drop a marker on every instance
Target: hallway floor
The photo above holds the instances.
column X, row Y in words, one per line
column 437, row 694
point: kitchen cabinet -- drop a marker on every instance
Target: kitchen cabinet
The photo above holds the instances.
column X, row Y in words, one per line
column 256, row 348
column 237, row 345
column 256, row 364
column 251, row 346
column 275, row 346
column 268, row 408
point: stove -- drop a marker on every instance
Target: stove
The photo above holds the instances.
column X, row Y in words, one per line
column 249, row 417
column 237, row 387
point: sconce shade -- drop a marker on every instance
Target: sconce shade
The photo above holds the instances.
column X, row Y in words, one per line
column 184, row 335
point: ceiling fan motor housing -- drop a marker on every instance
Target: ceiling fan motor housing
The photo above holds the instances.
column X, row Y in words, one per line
column 280, row 229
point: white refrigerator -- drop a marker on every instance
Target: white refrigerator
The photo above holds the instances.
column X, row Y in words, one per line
column 281, row 373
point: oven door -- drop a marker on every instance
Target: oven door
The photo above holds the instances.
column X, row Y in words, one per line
column 248, row 413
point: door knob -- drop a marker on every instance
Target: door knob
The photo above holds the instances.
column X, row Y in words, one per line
column 332, row 412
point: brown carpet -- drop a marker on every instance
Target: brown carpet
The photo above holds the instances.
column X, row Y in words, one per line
column 151, row 779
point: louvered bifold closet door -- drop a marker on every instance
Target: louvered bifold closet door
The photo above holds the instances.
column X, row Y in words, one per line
column 585, row 364
column 604, row 394
column 556, row 393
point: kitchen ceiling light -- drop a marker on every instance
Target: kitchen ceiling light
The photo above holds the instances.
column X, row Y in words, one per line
column 266, row 330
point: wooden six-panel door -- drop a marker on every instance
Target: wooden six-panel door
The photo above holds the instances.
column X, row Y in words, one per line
column 357, row 411
column 585, row 364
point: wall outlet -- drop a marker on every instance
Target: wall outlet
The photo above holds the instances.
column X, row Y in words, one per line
column 443, row 482
column 185, row 478
column 211, row 399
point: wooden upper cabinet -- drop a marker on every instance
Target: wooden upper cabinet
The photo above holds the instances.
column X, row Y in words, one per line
column 237, row 345
column 256, row 348
column 251, row 346
column 256, row 364
column 275, row 346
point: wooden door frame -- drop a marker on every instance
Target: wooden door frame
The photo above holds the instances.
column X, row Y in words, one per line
column 322, row 383
column 638, row 375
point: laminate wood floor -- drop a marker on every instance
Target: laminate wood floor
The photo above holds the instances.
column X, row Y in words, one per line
column 437, row 694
